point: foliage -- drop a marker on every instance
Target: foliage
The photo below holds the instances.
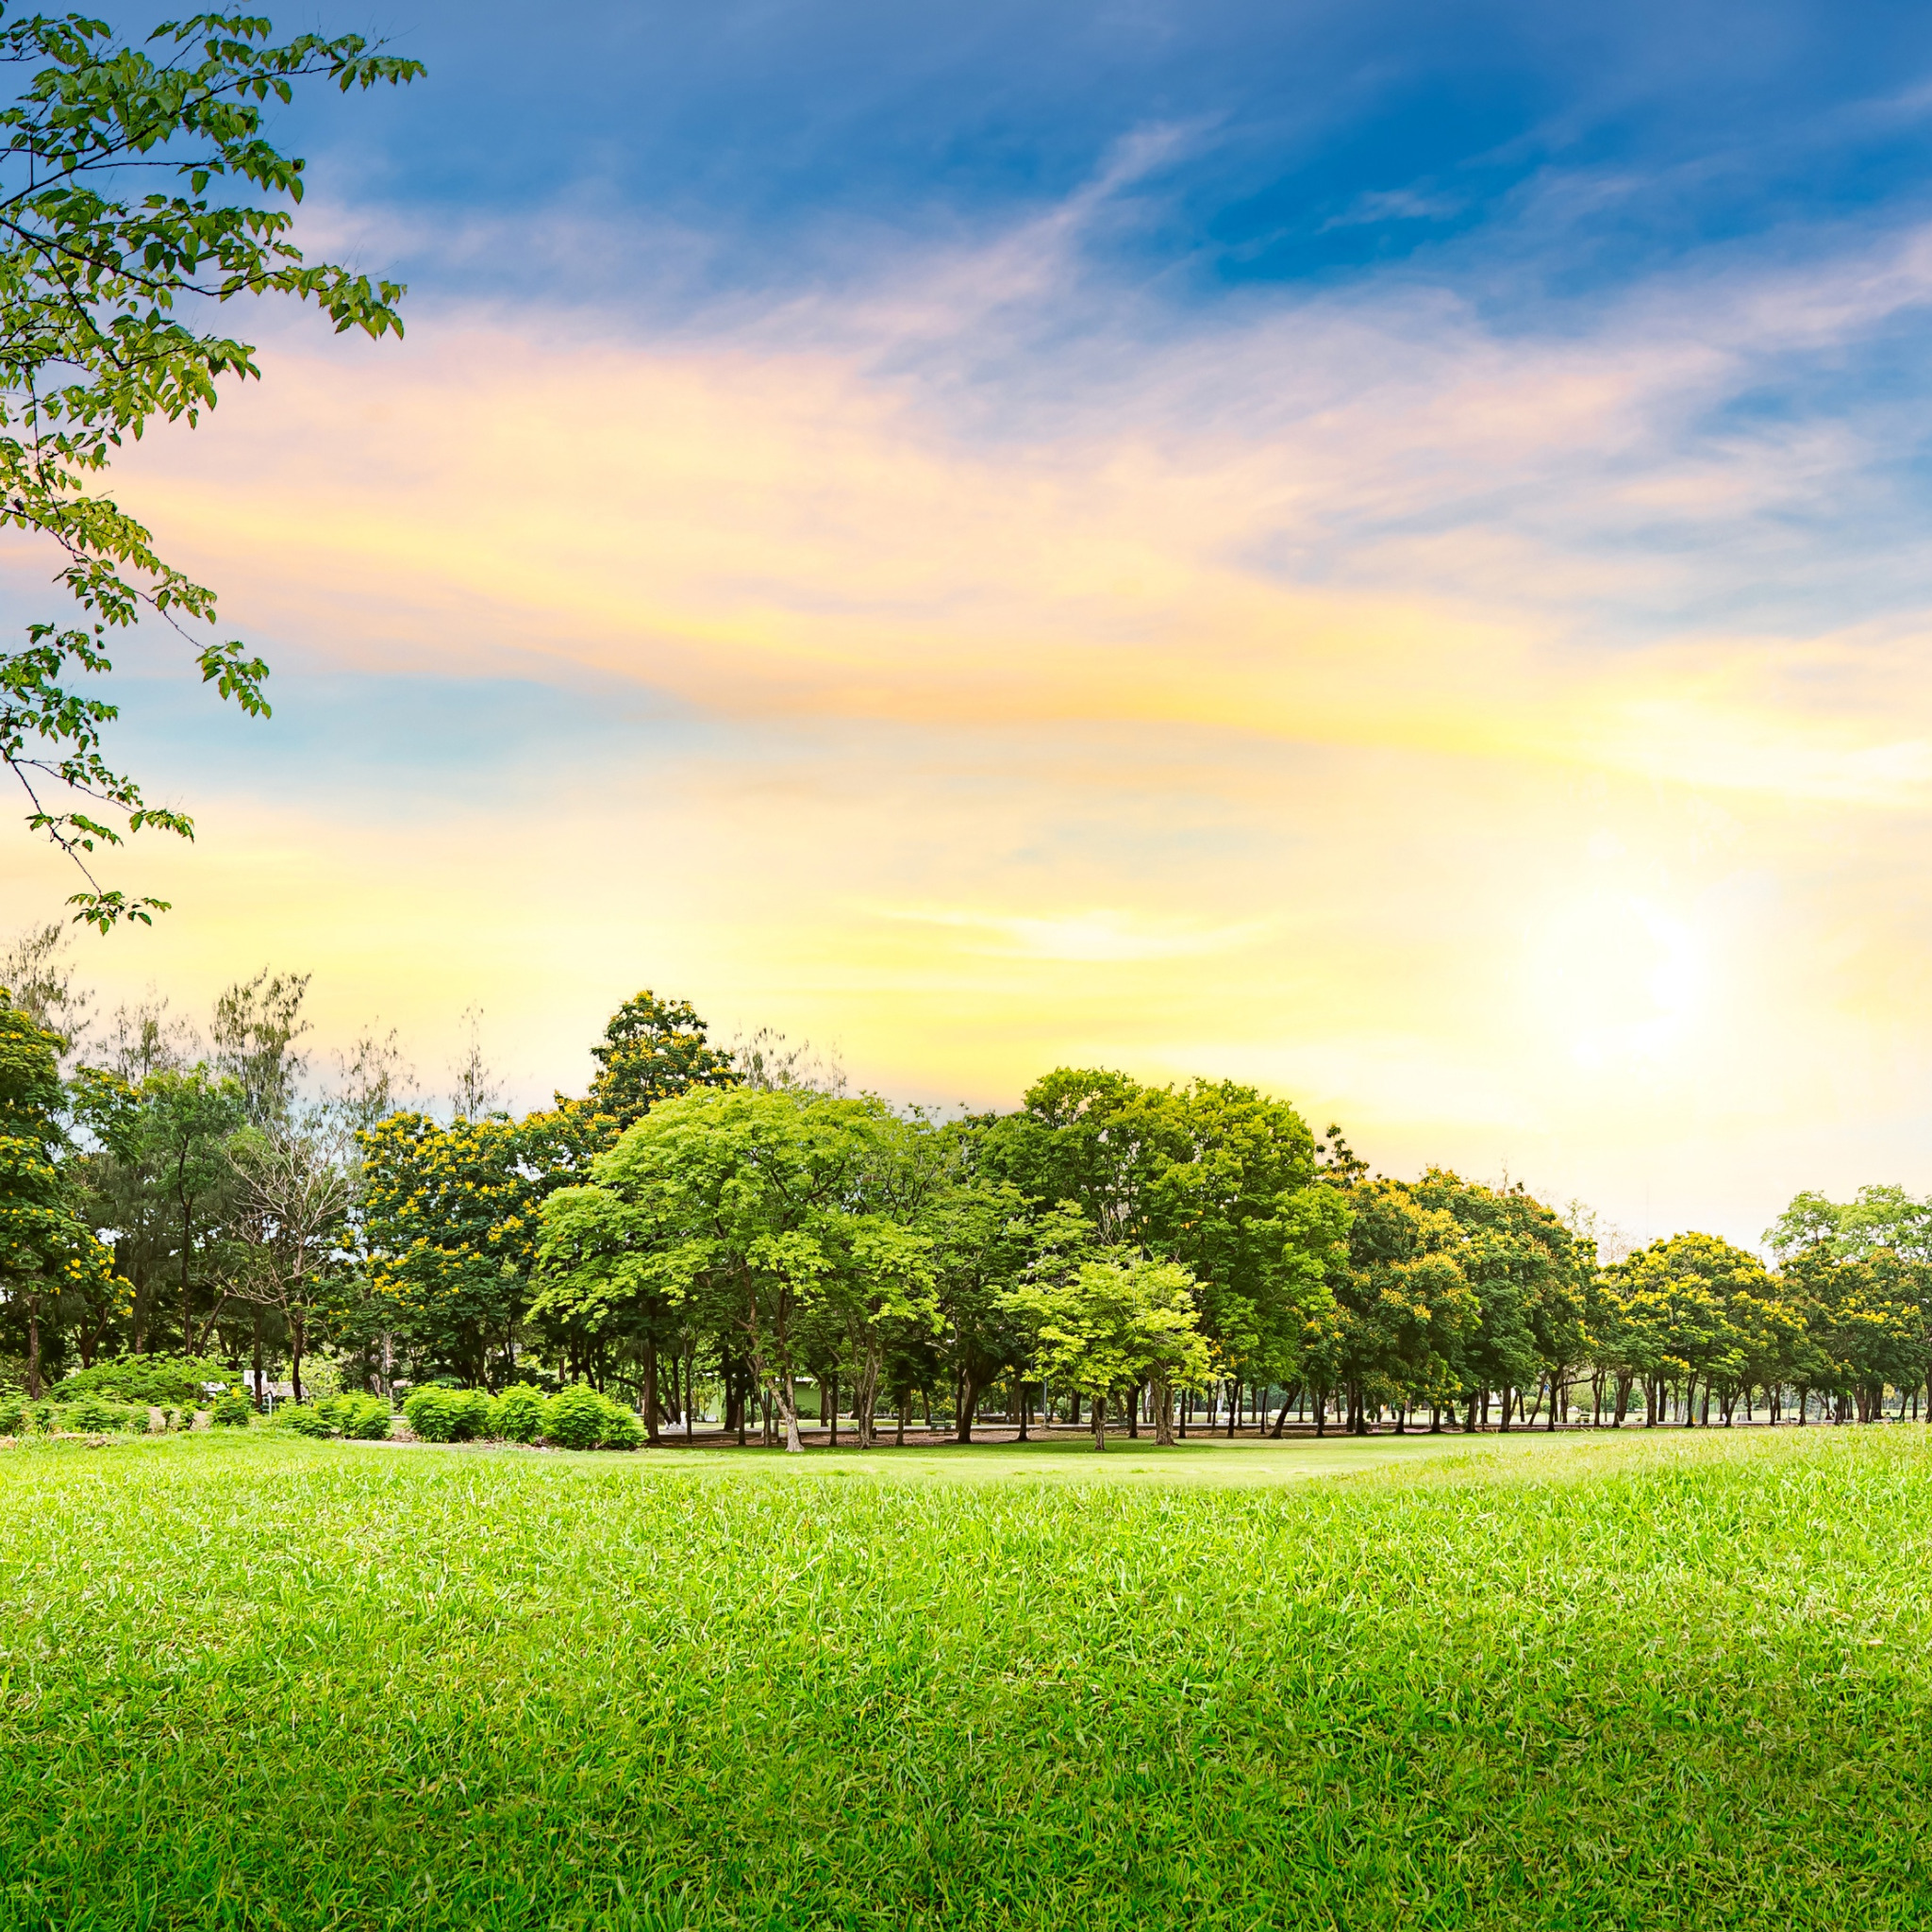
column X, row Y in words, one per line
column 45, row 1249
column 580, row 1418
column 359, row 1418
column 296, row 1186
column 232, row 1411
column 450, row 1218
column 160, row 1380
column 447, row 1415
column 1115, row 1324
column 93, row 1415
column 20, row 1417
column 100, row 263
column 653, row 1050
column 748, row 1205
column 517, row 1414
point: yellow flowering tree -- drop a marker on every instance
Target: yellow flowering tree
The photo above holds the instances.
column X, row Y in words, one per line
column 450, row 1223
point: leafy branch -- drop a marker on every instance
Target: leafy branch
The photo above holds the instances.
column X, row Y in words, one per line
column 92, row 350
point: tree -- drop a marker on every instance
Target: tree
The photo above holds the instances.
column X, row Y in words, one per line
column 750, row 1203
column 40, row 973
column 1693, row 1298
column 882, row 1283
column 296, row 1187
column 1406, row 1313
column 44, row 1246
column 450, row 1221
column 1114, row 1325
column 1529, row 1278
column 256, row 1024
column 981, row 1237
column 1214, row 1174
column 96, row 268
column 476, row 1091
column 653, row 1050
column 162, row 1178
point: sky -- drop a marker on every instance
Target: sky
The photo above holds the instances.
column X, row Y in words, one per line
column 1380, row 550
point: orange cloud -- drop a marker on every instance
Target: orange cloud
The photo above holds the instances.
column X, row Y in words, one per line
column 1274, row 704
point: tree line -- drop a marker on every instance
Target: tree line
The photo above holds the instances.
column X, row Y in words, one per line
column 730, row 1230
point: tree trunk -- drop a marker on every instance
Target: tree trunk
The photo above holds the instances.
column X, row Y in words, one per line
column 1233, row 1406
column 1163, row 1416
column 33, row 1348
column 1020, row 1398
column 832, row 1399
column 257, row 1359
column 295, row 1352
column 788, row 1402
column 1286, row 1399
column 651, row 1392
column 966, row 1394
column 1099, row 1420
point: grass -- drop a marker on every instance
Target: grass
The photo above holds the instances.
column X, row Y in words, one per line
column 1638, row 1681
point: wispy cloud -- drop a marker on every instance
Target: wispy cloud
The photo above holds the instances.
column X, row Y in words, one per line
column 1465, row 723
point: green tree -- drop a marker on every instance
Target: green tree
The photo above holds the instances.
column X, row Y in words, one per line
column 45, row 1248
column 1405, row 1311
column 160, row 1175
column 98, row 261
column 1214, row 1175
column 256, row 1024
column 749, row 1202
column 1117, row 1324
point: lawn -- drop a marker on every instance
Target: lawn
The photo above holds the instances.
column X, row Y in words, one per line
column 1644, row 1681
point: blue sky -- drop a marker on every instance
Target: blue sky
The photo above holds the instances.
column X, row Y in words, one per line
column 1594, row 142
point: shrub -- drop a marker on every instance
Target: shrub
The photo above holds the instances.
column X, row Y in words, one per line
column 14, row 1415
column 580, row 1418
column 303, row 1417
column 150, row 1380
column 362, row 1418
column 447, row 1415
column 232, row 1411
column 517, row 1414
column 90, row 1415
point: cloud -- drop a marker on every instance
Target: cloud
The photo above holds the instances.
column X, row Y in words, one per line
column 1512, row 741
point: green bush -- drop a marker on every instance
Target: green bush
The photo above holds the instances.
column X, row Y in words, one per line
column 359, row 1417
column 517, row 1414
column 16, row 1415
column 447, row 1415
column 232, row 1411
column 91, row 1415
column 580, row 1418
column 150, row 1380
column 303, row 1417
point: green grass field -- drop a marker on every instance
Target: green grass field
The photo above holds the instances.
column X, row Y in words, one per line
column 1638, row 1681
